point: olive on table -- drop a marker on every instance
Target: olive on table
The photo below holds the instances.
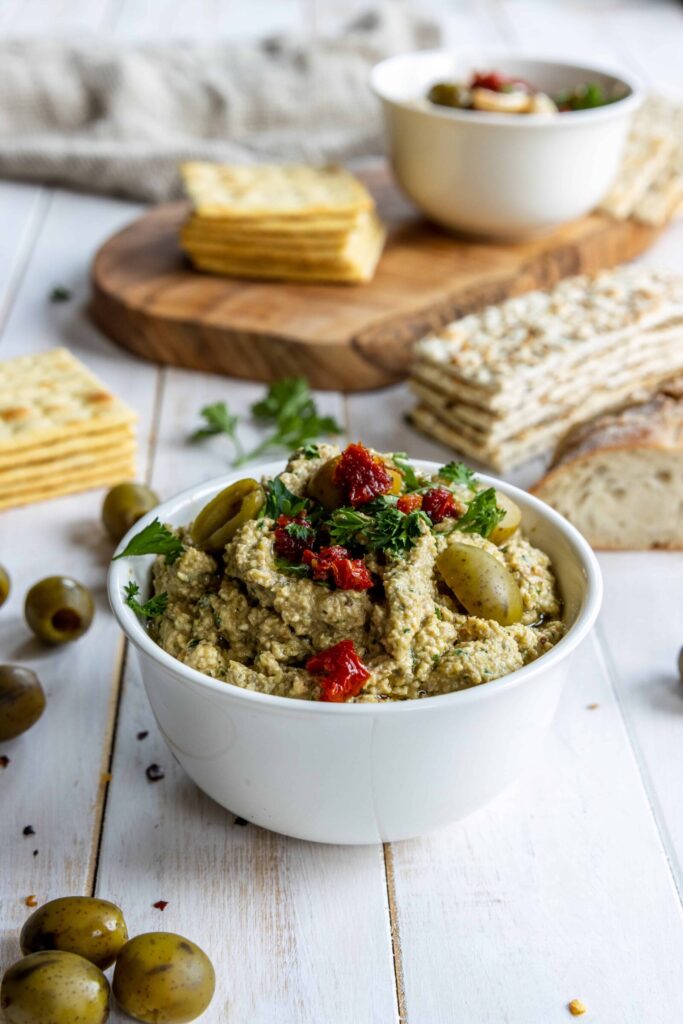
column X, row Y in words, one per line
column 59, row 609
column 482, row 585
column 219, row 521
column 4, row 585
column 123, row 505
column 446, row 94
column 162, row 978
column 54, row 988
column 92, row 928
column 503, row 530
column 22, row 700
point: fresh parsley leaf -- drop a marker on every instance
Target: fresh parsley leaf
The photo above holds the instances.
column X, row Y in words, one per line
column 155, row 539
column 301, row 531
column 386, row 529
column 483, row 514
column 60, row 294
column 410, row 477
column 458, row 473
column 290, row 406
column 151, row 609
column 281, row 502
column 311, row 451
column 291, row 568
column 219, row 420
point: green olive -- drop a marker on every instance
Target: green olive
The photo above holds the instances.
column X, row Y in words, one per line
column 4, row 585
column 92, row 928
column 162, row 978
column 54, row 988
column 510, row 521
column 322, row 487
column 22, row 700
column 219, row 521
column 446, row 94
column 481, row 583
column 124, row 505
column 59, row 609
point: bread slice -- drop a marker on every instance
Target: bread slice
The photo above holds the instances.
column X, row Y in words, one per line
column 619, row 477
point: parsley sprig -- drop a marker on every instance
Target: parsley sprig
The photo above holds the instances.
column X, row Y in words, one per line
column 290, row 409
column 151, row 609
column 281, row 502
column 482, row 515
column 458, row 473
column 382, row 528
column 410, row 477
column 155, row 539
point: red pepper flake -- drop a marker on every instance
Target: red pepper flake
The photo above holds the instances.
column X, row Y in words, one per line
column 142, row 735
column 334, row 565
column 440, row 504
column 4, row 760
column 361, row 475
column 408, row 503
column 160, row 904
column 293, row 534
column 35, row 853
column 343, row 673
column 154, row 773
column 31, row 901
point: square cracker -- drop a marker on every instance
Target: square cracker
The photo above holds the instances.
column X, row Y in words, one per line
column 272, row 190
column 52, row 396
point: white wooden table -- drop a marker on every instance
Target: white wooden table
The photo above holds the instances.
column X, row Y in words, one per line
column 570, row 886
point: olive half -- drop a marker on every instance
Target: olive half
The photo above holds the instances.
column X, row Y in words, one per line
column 59, row 609
column 481, row 583
column 22, row 700
column 219, row 521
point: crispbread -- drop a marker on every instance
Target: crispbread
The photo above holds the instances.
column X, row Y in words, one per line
column 52, row 396
column 104, row 441
column 646, row 156
column 56, row 469
column 265, row 190
column 106, row 476
column 274, row 272
column 314, row 229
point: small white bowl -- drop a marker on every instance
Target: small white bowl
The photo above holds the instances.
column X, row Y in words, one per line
column 359, row 773
column 501, row 175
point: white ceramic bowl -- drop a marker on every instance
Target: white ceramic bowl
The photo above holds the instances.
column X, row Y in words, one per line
column 501, row 175
column 360, row 773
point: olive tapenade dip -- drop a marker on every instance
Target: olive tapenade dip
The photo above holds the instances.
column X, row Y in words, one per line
column 352, row 576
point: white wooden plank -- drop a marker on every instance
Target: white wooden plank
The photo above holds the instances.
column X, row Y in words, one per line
column 558, row 890
column 51, row 17
column 297, row 931
column 209, row 20
column 53, row 781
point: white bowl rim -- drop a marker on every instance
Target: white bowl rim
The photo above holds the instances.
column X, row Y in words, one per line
column 623, row 106
column 137, row 634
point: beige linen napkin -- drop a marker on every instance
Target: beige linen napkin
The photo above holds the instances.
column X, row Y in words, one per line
column 117, row 118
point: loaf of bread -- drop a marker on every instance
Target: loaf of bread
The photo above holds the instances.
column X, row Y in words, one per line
column 619, row 477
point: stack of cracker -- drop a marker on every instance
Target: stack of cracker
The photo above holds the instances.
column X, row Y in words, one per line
column 61, row 431
column 289, row 223
column 649, row 186
column 503, row 385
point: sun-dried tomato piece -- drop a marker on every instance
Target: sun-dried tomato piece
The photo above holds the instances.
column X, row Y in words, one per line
column 343, row 673
column 334, row 565
column 497, row 82
column 361, row 475
column 293, row 534
column 160, row 904
column 440, row 504
column 409, row 503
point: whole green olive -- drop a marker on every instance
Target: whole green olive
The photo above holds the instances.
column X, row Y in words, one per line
column 22, row 700
column 59, row 609
column 92, row 928
column 4, row 585
column 54, row 988
column 481, row 583
column 123, row 505
column 446, row 94
column 162, row 978
column 503, row 530
column 219, row 521
column 322, row 487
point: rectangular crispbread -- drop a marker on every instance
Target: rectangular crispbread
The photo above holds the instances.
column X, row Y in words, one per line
column 50, row 397
column 103, row 442
column 273, row 190
column 52, row 470
column 72, row 484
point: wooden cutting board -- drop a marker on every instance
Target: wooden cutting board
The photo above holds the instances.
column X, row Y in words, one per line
column 147, row 297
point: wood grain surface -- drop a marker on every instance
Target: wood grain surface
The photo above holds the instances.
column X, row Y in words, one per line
column 148, row 298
